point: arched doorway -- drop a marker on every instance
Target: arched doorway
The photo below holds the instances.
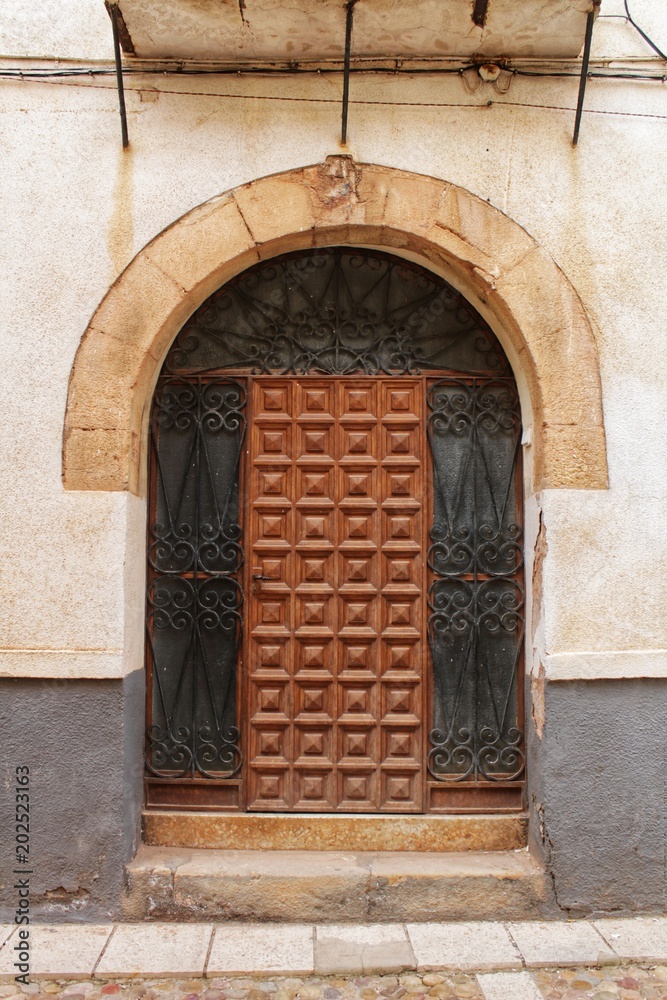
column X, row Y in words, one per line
column 335, row 592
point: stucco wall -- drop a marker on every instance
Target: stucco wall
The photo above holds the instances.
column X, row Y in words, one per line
column 82, row 741
column 76, row 209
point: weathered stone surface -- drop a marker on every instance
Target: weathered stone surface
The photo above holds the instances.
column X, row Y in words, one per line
column 456, row 887
column 68, row 951
column 367, row 950
column 267, row 948
column 277, row 885
column 463, row 946
column 217, row 234
column 323, row 886
column 643, row 939
column 282, row 206
column 312, row 832
column 338, row 201
column 559, row 943
column 161, row 949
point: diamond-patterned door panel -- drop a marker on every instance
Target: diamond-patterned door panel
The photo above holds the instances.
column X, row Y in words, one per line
column 337, row 560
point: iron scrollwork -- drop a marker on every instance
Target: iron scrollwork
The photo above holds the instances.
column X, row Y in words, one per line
column 476, row 600
column 336, row 311
column 195, row 597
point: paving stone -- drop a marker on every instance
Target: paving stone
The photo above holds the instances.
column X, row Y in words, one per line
column 162, row 949
column 5, row 931
column 286, row 948
column 509, row 986
column 65, row 950
column 370, row 948
column 462, row 946
column 558, row 943
column 643, row 939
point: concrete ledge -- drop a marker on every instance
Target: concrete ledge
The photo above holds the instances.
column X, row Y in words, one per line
column 330, row 832
column 324, row 886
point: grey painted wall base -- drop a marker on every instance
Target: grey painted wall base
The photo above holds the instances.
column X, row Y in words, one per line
column 83, row 743
column 598, row 795
column 596, row 786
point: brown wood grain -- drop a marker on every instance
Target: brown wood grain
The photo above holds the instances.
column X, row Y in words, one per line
column 336, row 551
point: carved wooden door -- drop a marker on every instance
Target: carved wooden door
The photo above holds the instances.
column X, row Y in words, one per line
column 336, row 550
column 335, row 584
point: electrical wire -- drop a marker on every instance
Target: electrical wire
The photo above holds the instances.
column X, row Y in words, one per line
column 643, row 33
column 362, row 101
column 16, row 73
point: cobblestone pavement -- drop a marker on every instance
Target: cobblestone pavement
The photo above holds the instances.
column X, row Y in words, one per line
column 626, row 982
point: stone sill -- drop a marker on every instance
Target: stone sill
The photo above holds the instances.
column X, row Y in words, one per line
column 334, row 832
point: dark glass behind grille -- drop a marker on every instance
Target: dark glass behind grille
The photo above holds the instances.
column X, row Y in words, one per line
column 336, row 311
column 476, row 600
column 194, row 592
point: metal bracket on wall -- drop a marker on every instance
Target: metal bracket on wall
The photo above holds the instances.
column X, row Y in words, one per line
column 349, row 17
column 584, row 68
column 114, row 14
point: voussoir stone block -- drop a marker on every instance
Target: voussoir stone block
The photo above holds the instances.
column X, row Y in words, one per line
column 101, row 459
column 413, row 202
column 200, row 252
column 280, row 205
column 572, row 458
column 479, row 233
column 140, row 304
column 333, row 187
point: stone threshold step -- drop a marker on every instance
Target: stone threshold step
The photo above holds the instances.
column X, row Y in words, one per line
column 168, row 883
column 159, row 950
column 334, row 832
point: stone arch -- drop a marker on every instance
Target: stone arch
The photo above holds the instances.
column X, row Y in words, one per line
column 501, row 269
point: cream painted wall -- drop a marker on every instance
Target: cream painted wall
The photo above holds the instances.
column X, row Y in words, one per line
column 76, row 209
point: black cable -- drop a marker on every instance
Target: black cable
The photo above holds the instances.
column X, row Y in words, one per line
column 14, row 73
column 643, row 33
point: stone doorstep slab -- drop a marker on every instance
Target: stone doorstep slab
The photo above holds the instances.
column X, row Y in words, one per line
column 334, row 832
column 491, row 949
column 318, row 886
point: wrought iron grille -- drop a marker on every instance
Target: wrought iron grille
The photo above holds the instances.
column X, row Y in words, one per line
column 476, row 600
column 195, row 597
column 336, row 311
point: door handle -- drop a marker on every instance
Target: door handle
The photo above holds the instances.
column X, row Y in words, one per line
column 260, row 576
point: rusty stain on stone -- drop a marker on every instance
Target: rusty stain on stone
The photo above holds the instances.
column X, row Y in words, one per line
column 241, row 831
